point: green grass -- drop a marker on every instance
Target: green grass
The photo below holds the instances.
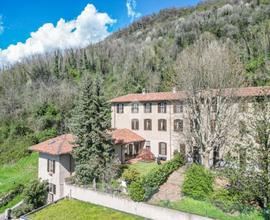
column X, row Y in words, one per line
column 13, row 202
column 77, row 210
column 204, row 208
column 21, row 172
column 143, row 167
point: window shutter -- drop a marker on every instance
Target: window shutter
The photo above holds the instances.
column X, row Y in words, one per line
column 165, row 125
column 158, row 107
column 48, row 162
column 53, row 166
column 54, row 189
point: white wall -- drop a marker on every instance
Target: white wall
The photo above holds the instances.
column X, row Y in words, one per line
column 126, row 205
column 62, row 170
column 172, row 138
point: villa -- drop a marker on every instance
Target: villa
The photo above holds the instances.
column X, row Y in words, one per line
column 153, row 121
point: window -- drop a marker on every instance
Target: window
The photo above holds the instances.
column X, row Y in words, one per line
column 213, row 125
column 52, row 188
column 135, row 108
column 178, row 125
column 51, row 166
column 162, row 125
column 183, row 149
column 178, row 107
column 148, row 107
column 162, row 107
column 243, row 106
column 162, row 148
column 135, row 124
column 214, row 104
column 147, row 124
column 120, row 108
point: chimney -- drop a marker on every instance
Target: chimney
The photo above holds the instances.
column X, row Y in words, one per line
column 174, row 90
column 143, row 91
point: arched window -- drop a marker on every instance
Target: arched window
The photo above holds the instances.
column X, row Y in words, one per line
column 162, row 148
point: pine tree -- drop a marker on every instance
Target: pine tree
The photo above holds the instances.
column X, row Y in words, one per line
column 90, row 124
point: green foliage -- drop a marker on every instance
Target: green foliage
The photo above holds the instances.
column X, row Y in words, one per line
column 21, row 210
column 35, row 194
column 90, row 122
column 46, row 134
column 206, row 208
column 130, row 175
column 136, row 191
column 150, row 183
column 47, row 116
column 198, row 182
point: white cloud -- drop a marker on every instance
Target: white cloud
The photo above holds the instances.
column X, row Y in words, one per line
column 131, row 9
column 89, row 27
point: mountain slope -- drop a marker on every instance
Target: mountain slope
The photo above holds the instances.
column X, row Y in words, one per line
column 37, row 94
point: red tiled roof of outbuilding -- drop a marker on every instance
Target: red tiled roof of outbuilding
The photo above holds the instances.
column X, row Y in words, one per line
column 62, row 144
column 125, row 136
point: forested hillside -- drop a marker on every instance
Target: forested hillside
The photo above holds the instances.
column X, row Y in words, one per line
column 36, row 95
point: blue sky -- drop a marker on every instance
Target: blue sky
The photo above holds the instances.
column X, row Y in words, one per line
column 18, row 18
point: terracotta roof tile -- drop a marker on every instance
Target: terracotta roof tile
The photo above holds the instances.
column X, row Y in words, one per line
column 55, row 146
column 125, row 136
column 180, row 95
column 64, row 144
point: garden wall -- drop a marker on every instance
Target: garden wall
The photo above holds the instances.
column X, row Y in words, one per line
column 126, row 205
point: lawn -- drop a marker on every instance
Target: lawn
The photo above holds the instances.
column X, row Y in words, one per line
column 77, row 210
column 21, row 172
column 204, row 208
column 143, row 167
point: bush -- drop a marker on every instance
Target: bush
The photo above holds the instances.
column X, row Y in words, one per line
column 36, row 194
column 130, row 175
column 150, row 183
column 136, row 191
column 223, row 199
column 21, row 210
column 198, row 182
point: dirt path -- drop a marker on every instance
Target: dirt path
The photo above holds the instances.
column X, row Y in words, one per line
column 171, row 190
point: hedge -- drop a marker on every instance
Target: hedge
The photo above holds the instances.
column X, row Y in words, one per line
column 198, row 182
column 145, row 187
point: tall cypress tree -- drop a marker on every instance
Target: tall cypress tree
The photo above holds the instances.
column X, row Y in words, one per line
column 90, row 123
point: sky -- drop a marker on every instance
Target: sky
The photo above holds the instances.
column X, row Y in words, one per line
column 36, row 26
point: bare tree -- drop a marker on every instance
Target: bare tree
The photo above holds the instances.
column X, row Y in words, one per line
column 251, row 167
column 206, row 72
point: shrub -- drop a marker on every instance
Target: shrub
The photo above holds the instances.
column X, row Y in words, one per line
column 136, row 191
column 223, row 199
column 150, row 183
column 130, row 175
column 21, row 210
column 36, row 194
column 198, row 182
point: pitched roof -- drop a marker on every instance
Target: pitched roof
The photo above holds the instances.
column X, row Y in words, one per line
column 180, row 95
column 64, row 144
column 125, row 136
column 55, row 146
